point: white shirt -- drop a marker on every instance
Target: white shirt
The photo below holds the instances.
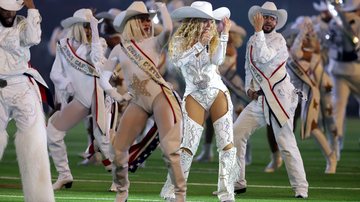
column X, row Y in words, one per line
column 15, row 42
column 269, row 51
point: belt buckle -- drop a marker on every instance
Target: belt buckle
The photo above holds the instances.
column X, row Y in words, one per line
column 3, row 83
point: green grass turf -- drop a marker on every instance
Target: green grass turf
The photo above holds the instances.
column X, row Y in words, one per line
column 91, row 182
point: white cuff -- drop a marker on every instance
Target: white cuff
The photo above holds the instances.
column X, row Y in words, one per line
column 224, row 37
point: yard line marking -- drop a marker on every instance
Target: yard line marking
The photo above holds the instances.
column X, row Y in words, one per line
column 204, row 184
column 88, row 198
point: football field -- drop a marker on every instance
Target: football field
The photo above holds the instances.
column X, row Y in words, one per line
column 92, row 182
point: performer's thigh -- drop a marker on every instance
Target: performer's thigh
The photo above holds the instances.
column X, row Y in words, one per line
column 194, row 110
column 219, row 107
column 163, row 114
column 131, row 124
column 70, row 115
column 341, row 92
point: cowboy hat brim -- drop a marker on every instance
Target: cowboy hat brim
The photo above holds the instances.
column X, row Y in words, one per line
column 191, row 12
column 105, row 15
column 72, row 20
column 121, row 19
column 320, row 6
column 281, row 15
column 11, row 5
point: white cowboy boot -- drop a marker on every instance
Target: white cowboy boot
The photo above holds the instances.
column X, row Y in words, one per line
column 57, row 150
column 227, row 170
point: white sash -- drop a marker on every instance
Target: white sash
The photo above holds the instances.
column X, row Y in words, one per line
column 138, row 57
column 267, row 85
column 75, row 61
column 98, row 104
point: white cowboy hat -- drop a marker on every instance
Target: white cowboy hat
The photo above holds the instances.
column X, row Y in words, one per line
column 81, row 15
column 300, row 22
column 136, row 8
column 351, row 5
column 12, row 5
column 322, row 6
column 269, row 8
column 237, row 29
column 110, row 14
column 200, row 9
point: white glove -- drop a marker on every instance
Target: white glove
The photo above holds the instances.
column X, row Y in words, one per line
column 112, row 92
column 70, row 89
column 104, row 80
column 94, row 30
column 115, row 95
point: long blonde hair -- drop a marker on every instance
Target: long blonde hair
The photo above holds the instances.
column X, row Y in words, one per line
column 189, row 32
column 133, row 30
column 77, row 32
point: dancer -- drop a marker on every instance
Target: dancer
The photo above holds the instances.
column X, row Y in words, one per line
column 197, row 50
column 73, row 73
column 274, row 99
column 307, row 73
column 20, row 98
column 138, row 55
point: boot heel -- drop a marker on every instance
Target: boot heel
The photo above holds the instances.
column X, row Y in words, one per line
column 68, row 185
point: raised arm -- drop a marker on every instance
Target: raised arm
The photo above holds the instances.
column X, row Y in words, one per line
column 165, row 34
column 219, row 55
column 98, row 45
column 30, row 30
column 106, row 71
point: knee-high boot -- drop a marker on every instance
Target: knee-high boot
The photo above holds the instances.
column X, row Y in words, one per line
column 190, row 142
column 57, row 150
column 228, row 166
column 120, row 175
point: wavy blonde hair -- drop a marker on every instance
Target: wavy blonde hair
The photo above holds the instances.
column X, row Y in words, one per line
column 190, row 31
column 133, row 30
column 77, row 31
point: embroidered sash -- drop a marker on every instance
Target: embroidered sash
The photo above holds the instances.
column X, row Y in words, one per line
column 75, row 61
column 138, row 57
column 267, row 85
column 309, row 109
column 98, row 104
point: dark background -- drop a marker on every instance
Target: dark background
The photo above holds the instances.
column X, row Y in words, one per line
column 53, row 11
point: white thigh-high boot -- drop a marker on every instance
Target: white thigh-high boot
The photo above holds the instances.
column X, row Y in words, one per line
column 229, row 169
column 33, row 159
column 329, row 154
column 57, row 149
column 191, row 140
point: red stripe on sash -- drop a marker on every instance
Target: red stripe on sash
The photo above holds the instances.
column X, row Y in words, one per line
column 277, row 100
column 73, row 51
column 133, row 42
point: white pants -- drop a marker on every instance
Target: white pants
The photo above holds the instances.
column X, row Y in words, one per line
column 20, row 101
column 252, row 118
